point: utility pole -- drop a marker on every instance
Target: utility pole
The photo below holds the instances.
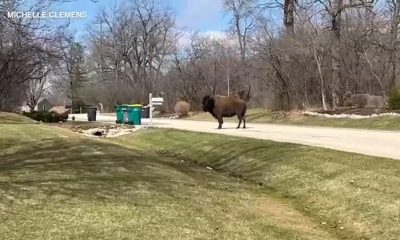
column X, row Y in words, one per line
column 72, row 96
column 228, row 80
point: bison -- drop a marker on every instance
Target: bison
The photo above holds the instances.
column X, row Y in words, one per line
column 223, row 106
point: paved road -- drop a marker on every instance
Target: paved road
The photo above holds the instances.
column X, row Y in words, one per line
column 369, row 142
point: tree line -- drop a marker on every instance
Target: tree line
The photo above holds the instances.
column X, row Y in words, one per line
column 289, row 54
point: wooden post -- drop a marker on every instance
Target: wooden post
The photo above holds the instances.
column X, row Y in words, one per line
column 151, row 109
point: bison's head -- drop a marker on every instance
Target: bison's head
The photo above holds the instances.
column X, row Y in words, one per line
column 208, row 103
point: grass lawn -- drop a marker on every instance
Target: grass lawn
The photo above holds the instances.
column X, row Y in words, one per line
column 14, row 118
column 155, row 184
column 357, row 196
column 56, row 184
column 262, row 116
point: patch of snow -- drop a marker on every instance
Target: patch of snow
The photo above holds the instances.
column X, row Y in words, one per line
column 351, row 116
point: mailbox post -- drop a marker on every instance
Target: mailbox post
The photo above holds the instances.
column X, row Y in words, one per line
column 153, row 102
column 150, row 109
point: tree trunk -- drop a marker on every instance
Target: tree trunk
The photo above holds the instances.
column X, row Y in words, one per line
column 393, row 40
column 228, row 81
column 288, row 16
column 321, row 77
column 323, row 97
column 336, row 79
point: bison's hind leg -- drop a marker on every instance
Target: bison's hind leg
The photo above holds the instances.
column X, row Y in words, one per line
column 244, row 118
column 240, row 120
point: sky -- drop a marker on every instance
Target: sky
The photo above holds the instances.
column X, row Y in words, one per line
column 198, row 15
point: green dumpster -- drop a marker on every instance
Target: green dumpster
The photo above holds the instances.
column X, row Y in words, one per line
column 122, row 113
column 135, row 114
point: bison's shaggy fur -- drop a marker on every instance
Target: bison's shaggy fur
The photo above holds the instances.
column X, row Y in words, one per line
column 222, row 106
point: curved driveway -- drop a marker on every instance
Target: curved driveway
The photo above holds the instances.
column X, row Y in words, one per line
column 369, row 142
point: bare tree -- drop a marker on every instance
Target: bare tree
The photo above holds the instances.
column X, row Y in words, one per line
column 34, row 91
column 25, row 51
column 245, row 14
column 335, row 10
column 132, row 44
column 392, row 50
column 243, row 20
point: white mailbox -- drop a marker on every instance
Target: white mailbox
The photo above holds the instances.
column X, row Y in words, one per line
column 156, row 101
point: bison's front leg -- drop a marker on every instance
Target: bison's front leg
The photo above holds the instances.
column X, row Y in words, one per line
column 220, row 122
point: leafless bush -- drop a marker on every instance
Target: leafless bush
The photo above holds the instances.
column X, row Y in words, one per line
column 182, row 108
column 364, row 100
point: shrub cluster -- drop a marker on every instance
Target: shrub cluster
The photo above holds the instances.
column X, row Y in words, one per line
column 50, row 117
column 182, row 108
column 394, row 99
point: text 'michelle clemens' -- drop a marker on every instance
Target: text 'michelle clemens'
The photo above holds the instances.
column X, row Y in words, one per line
column 54, row 15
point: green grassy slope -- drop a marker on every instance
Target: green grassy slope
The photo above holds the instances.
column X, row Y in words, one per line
column 357, row 196
column 6, row 117
column 55, row 184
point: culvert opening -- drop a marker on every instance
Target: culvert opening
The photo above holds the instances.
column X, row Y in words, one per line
column 98, row 133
